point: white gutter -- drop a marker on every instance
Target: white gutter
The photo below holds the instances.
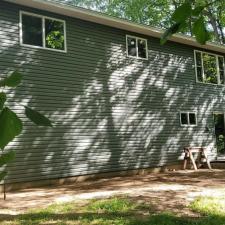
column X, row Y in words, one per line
column 96, row 17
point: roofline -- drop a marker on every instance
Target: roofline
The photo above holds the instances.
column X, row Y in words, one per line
column 103, row 19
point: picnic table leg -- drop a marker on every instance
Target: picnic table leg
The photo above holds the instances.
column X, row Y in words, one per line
column 207, row 161
column 193, row 161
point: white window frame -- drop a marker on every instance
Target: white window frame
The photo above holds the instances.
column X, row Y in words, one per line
column 203, row 71
column 189, row 125
column 136, row 39
column 43, row 32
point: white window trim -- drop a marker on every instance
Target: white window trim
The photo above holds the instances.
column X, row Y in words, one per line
column 43, row 32
column 217, row 65
column 189, row 125
column 136, row 39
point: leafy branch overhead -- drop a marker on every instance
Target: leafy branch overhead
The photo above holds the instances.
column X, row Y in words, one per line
column 159, row 13
column 190, row 14
column 10, row 124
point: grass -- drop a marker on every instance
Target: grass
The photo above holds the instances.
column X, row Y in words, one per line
column 118, row 211
column 114, row 205
column 209, row 206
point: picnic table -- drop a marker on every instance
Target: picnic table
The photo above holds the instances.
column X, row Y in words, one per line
column 201, row 151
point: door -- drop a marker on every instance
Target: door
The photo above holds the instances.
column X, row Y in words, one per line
column 219, row 133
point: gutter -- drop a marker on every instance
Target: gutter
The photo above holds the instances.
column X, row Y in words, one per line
column 92, row 16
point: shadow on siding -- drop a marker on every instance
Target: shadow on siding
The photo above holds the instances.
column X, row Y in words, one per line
column 110, row 112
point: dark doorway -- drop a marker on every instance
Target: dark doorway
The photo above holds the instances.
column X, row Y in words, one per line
column 219, row 133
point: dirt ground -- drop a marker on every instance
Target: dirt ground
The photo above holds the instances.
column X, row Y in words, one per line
column 171, row 191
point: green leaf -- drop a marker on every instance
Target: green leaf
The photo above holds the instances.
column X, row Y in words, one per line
column 200, row 31
column 182, row 12
column 2, row 175
column 37, row 118
column 196, row 11
column 10, row 126
column 2, row 100
column 7, row 157
column 13, row 80
column 169, row 32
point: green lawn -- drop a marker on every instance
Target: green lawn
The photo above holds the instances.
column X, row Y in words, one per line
column 119, row 211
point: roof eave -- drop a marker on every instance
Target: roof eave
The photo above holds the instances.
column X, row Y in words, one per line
column 92, row 16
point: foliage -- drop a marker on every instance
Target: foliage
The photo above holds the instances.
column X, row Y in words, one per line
column 10, row 124
column 12, row 81
column 220, row 142
column 153, row 13
column 54, row 34
column 200, row 18
column 204, row 19
column 55, row 40
column 37, row 117
column 210, row 68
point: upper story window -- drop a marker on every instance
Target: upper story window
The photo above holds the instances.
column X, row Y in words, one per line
column 188, row 119
column 209, row 68
column 42, row 32
column 137, row 47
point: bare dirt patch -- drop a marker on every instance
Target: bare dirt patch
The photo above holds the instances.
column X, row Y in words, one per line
column 171, row 191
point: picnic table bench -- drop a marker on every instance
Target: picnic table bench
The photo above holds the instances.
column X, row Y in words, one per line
column 201, row 151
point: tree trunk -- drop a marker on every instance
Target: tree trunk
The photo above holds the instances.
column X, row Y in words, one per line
column 221, row 32
column 212, row 21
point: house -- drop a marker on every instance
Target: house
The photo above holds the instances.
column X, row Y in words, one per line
column 119, row 100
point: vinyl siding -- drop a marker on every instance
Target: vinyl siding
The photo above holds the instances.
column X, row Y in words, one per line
column 110, row 112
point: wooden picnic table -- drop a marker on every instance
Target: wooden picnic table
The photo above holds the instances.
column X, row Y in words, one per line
column 201, row 151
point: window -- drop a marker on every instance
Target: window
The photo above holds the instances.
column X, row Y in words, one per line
column 209, row 68
column 42, row 32
column 188, row 119
column 137, row 47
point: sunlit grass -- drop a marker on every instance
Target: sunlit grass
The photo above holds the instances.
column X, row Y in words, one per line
column 114, row 205
column 119, row 211
column 209, row 206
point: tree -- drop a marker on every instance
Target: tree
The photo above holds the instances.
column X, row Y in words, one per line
column 11, row 125
column 154, row 13
column 204, row 19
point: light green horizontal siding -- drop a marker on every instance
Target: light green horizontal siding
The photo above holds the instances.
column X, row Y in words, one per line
column 110, row 112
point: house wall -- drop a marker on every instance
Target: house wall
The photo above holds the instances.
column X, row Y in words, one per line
column 110, row 112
